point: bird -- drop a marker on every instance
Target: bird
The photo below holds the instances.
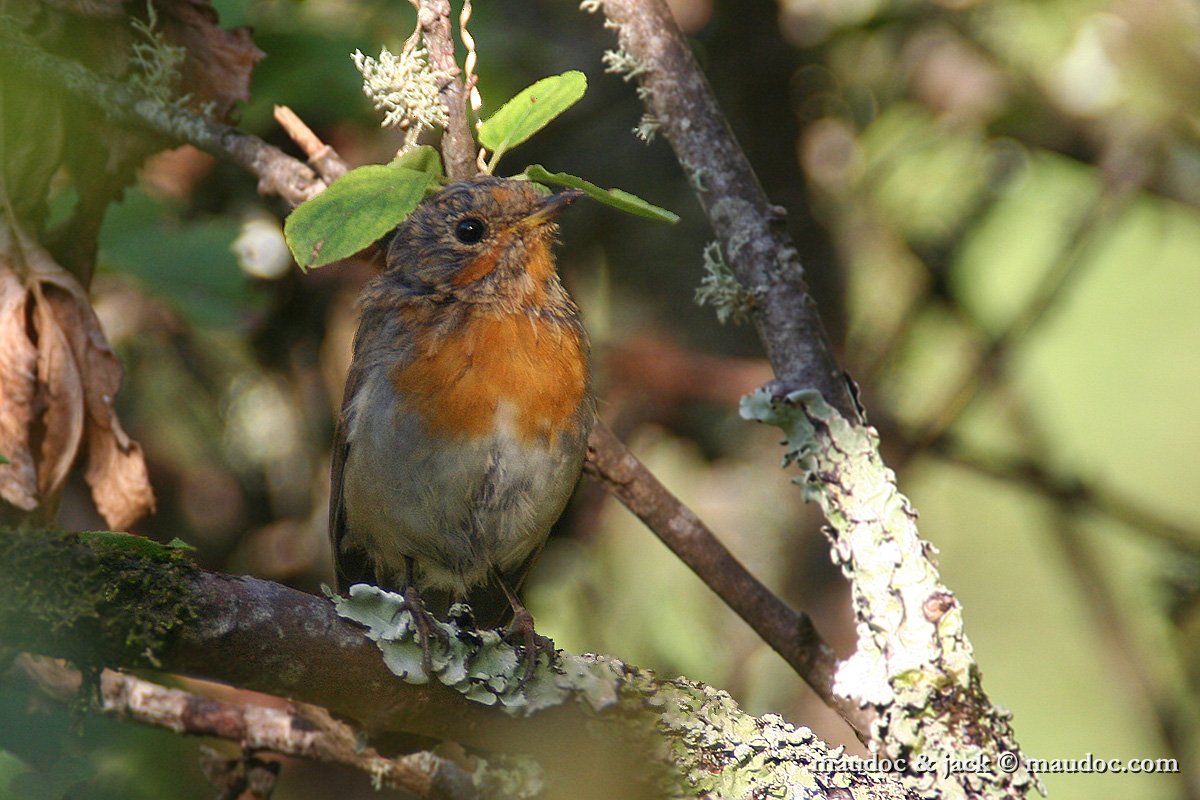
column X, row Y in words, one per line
column 466, row 412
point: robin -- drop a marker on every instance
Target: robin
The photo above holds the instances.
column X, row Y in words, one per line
column 466, row 411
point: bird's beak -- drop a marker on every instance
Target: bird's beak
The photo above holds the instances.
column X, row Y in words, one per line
column 550, row 206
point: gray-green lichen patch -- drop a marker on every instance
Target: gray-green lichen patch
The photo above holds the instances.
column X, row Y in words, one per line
column 477, row 663
column 96, row 598
column 722, row 752
column 720, row 289
column 913, row 661
column 703, row 743
column 517, row 777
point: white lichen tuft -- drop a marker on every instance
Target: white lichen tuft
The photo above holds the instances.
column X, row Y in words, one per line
column 647, row 128
column 720, row 289
column 404, row 86
column 618, row 62
column 157, row 64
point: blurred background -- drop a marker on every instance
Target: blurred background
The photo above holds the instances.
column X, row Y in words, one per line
column 998, row 206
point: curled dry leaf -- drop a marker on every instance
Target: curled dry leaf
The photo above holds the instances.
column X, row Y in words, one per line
column 219, row 61
column 18, row 380
column 71, row 382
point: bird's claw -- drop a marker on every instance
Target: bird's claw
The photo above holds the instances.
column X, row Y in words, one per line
column 520, row 632
column 427, row 627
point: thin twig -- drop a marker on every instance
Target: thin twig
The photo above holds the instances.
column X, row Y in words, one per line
column 321, row 157
column 458, row 146
column 278, row 173
column 789, row 633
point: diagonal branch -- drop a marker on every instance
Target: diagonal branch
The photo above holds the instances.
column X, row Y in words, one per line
column 914, row 664
column 278, row 173
column 790, row 633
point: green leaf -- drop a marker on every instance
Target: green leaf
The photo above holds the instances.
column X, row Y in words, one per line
column 423, row 158
column 616, row 198
column 530, row 111
column 356, row 210
column 4, row 460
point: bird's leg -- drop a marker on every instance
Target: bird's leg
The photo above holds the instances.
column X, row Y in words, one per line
column 520, row 631
column 424, row 621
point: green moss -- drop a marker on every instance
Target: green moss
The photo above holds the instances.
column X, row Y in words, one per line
column 96, row 598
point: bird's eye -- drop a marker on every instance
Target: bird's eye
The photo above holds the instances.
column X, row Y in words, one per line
column 470, row 230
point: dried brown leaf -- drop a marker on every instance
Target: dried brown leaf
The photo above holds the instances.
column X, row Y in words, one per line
column 116, row 471
column 18, row 374
column 71, row 380
column 116, row 467
column 219, row 61
column 60, row 390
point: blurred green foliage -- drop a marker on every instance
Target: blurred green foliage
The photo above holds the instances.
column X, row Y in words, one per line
column 959, row 173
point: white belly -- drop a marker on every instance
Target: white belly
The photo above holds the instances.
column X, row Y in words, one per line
column 459, row 508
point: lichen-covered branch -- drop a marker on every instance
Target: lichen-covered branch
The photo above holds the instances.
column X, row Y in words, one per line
column 750, row 230
column 913, row 664
column 114, row 600
column 277, row 172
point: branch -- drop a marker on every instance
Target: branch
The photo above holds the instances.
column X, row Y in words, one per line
column 458, row 145
column 278, row 173
column 791, row 634
column 300, row 731
column 321, row 157
column 617, row 732
column 1069, row 491
column 751, row 231
column 914, row 664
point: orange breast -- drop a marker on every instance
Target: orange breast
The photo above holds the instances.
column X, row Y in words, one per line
column 537, row 368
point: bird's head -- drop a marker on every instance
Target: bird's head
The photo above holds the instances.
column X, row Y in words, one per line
column 480, row 240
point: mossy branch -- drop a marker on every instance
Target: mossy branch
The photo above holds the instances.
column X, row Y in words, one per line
column 115, row 601
column 277, row 172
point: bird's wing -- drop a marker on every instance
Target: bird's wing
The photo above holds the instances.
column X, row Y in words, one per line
column 352, row 566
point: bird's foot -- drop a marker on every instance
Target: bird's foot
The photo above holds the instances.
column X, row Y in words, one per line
column 427, row 626
column 520, row 632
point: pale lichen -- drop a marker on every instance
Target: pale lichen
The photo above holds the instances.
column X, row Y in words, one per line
column 721, row 289
column 694, row 739
column 647, row 128
column 478, row 663
column 619, row 62
column 406, row 87
column 157, row 64
column 913, row 663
